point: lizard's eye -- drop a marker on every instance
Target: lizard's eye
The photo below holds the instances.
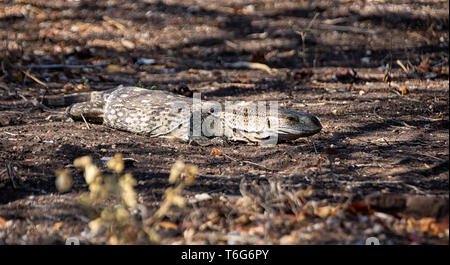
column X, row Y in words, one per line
column 292, row 118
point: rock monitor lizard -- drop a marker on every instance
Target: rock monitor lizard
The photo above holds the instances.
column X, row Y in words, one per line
column 160, row 113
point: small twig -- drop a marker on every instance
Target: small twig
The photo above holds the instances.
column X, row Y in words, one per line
column 35, row 78
column 344, row 205
column 402, row 66
column 388, row 73
column 360, row 183
column 250, row 65
column 345, row 28
column 395, row 121
column 414, row 188
column 303, row 36
column 378, row 115
column 3, row 69
column 308, row 28
column 396, row 92
column 404, row 124
column 255, row 164
column 407, row 125
column 5, row 87
column 70, row 66
column 437, row 158
column 11, row 174
column 314, row 145
column 114, row 23
column 247, row 162
column 22, row 97
column 231, row 45
column 85, row 121
column 12, row 134
column 325, row 103
column 429, row 119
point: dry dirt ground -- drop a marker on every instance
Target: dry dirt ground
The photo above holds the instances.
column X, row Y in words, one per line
column 390, row 136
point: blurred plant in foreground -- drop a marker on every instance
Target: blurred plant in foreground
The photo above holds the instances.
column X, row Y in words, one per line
column 120, row 222
column 181, row 175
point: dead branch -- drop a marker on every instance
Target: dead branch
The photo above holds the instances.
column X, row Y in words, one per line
column 35, row 78
column 70, row 66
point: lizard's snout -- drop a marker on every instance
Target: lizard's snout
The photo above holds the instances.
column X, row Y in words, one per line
column 315, row 121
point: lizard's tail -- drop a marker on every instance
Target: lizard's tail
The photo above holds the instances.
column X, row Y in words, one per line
column 64, row 101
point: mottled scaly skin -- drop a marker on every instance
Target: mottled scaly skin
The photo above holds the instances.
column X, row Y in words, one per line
column 163, row 114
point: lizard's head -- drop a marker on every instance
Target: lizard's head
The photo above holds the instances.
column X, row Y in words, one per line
column 293, row 124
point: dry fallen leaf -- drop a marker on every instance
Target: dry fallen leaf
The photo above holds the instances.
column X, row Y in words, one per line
column 216, row 152
column 80, row 87
column 68, row 87
column 424, row 66
column 324, row 211
column 426, row 225
column 387, row 78
column 114, row 23
column 57, row 225
column 444, row 71
column 3, row 222
column 403, row 90
column 250, row 65
column 168, row 225
column 290, row 239
column 302, row 216
column 128, row 44
column 113, row 68
column 256, row 230
column 243, row 219
column 170, row 65
column 304, row 193
column 359, row 208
